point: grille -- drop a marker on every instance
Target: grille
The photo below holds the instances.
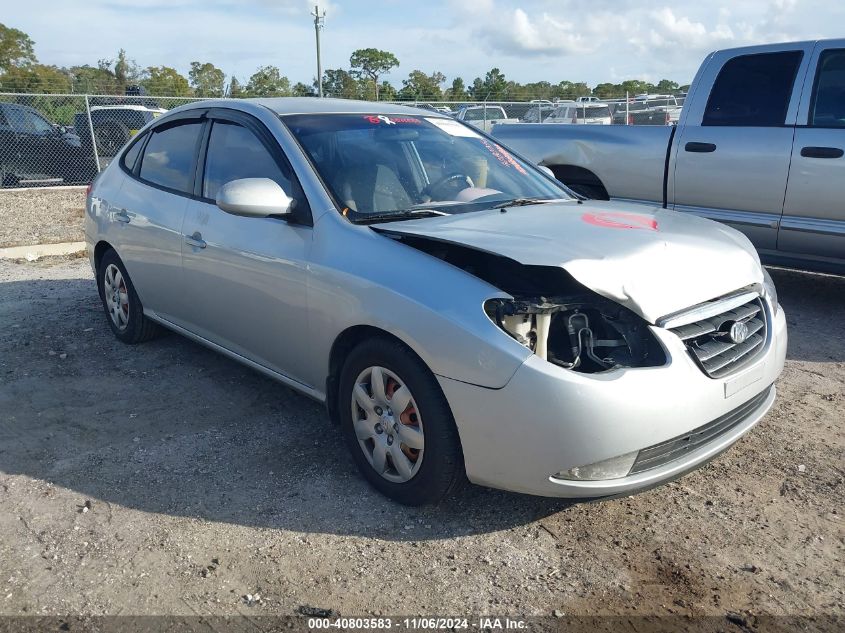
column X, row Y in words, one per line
column 709, row 342
column 677, row 447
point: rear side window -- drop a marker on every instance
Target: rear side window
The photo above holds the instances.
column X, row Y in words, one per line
column 753, row 90
column 131, row 155
column 233, row 153
column 169, row 156
column 828, row 104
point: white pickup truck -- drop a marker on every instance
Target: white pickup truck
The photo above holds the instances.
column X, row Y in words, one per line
column 759, row 146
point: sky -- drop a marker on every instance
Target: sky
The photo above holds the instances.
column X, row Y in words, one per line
column 529, row 40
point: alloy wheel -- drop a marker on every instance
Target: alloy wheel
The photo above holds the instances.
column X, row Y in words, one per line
column 117, row 297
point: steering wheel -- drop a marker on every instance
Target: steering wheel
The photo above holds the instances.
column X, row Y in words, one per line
column 434, row 189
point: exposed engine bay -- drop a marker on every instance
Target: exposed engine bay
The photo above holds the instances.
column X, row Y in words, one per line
column 551, row 314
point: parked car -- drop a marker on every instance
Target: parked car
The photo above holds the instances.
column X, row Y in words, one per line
column 458, row 310
column 581, row 114
column 588, row 100
column 484, row 117
column 35, row 151
column 114, row 125
column 760, row 145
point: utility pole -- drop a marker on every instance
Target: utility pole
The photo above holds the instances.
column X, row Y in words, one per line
column 319, row 22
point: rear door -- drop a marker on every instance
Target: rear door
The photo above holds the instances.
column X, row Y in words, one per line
column 733, row 150
column 147, row 213
column 813, row 225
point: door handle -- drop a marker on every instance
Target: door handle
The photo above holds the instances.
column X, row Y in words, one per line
column 700, row 148
column 195, row 240
column 822, row 152
column 121, row 216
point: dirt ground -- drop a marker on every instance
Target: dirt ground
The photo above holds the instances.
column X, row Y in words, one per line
column 41, row 216
column 166, row 479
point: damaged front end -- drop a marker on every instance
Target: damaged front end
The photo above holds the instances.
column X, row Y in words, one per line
column 584, row 333
column 551, row 313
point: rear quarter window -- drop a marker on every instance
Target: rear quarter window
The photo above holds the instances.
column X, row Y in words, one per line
column 169, row 156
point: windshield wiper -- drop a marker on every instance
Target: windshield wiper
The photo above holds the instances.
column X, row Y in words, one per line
column 522, row 202
column 371, row 218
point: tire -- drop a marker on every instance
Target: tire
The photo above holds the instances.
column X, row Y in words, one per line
column 592, row 192
column 110, row 135
column 127, row 321
column 439, row 465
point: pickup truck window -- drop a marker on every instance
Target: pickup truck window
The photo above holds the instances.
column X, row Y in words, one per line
column 828, row 105
column 753, row 90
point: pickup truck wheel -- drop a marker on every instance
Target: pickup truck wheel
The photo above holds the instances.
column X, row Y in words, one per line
column 110, row 136
column 593, row 192
column 123, row 308
column 398, row 425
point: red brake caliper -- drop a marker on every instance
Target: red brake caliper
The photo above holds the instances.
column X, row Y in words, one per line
column 408, row 417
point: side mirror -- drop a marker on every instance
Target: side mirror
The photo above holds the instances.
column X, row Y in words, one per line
column 546, row 171
column 254, row 198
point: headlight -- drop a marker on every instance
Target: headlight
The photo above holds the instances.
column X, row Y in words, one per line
column 769, row 291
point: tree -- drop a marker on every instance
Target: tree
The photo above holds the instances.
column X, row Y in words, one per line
column 16, row 48
column 35, row 78
column 165, row 81
column 303, row 90
column 372, row 63
column 121, row 72
column 268, row 81
column 93, row 80
column 458, row 91
column 386, row 91
column 421, row 87
column 206, row 79
column 667, row 86
column 340, row 83
column 235, row 91
column 494, row 86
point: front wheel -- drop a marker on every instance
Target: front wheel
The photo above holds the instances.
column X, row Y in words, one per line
column 398, row 424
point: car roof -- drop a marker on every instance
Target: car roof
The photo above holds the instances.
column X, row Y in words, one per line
column 309, row 105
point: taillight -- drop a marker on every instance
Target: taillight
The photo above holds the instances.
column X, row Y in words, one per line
column 88, row 189
column 630, row 119
column 668, row 119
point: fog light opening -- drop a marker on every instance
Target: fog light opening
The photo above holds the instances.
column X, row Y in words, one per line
column 613, row 468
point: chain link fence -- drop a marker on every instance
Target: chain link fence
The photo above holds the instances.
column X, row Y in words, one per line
column 66, row 139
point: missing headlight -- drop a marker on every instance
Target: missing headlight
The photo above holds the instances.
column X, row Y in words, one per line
column 585, row 334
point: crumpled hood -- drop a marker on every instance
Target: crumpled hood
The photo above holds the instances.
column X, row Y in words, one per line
column 651, row 260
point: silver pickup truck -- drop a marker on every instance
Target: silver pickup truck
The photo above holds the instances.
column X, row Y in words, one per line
column 759, row 146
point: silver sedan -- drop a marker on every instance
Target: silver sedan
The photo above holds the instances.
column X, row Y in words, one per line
column 460, row 313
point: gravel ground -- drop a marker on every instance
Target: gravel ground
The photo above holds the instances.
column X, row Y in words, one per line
column 166, row 479
column 41, row 216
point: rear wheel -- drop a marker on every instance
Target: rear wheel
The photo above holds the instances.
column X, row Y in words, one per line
column 121, row 303
column 398, row 425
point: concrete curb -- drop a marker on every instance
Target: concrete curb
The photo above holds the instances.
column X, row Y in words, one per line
column 32, row 253
column 44, row 188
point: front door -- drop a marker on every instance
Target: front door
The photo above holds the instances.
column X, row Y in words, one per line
column 732, row 154
column 813, row 225
column 245, row 278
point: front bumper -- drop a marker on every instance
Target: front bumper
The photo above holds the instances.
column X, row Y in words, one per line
column 547, row 419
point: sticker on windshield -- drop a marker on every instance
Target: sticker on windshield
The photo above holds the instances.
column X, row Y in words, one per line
column 382, row 119
column 453, row 128
column 620, row 220
column 504, row 157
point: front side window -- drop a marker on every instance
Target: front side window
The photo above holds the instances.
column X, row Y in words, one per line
column 233, row 153
column 828, row 103
column 18, row 120
column 168, row 159
column 397, row 164
column 753, row 90
column 39, row 125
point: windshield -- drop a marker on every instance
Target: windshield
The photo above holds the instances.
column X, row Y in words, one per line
column 596, row 112
column 376, row 165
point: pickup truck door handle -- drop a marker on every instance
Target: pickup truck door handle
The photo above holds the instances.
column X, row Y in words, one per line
column 195, row 240
column 700, row 148
column 121, row 216
column 822, row 152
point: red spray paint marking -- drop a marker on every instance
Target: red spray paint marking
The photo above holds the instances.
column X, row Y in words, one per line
column 620, row 220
